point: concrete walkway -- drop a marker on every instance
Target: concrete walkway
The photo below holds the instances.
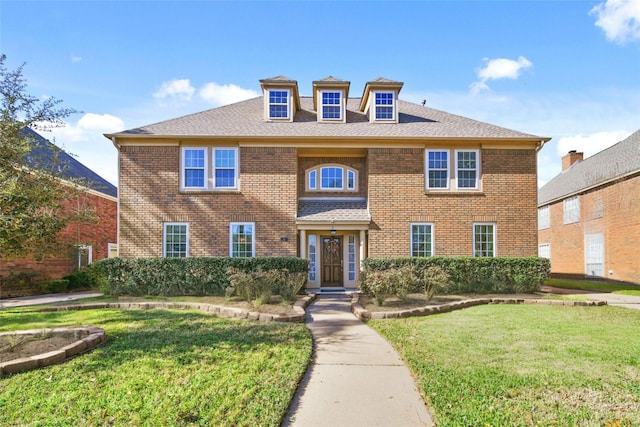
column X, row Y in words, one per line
column 618, row 300
column 356, row 378
column 45, row 299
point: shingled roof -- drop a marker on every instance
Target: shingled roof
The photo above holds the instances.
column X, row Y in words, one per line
column 617, row 161
column 42, row 155
column 333, row 210
column 245, row 119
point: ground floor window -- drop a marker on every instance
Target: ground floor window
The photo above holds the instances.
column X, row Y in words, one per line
column 313, row 261
column 421, row 240
column 594, row 254
column 484, row 240
column 84, row 255
column 176, row 240
column 544, row 250
column 242, row 239
column 351, row 253
column 112, row 250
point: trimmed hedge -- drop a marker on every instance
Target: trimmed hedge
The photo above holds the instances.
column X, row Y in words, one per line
column 182, row 276
column 504, row 275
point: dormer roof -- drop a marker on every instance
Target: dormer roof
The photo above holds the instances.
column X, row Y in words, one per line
column 283, row 82
column 329, row 82
column 380, row 83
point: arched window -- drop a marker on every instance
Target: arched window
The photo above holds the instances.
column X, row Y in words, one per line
column 332, row 178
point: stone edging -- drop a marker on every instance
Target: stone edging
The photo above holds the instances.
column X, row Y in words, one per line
column 363, row 314
column 219, row 310
column 88, row 339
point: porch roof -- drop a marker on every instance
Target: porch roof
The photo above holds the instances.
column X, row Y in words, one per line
column 333, row 210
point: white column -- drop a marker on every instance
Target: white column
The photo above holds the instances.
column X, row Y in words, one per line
column 303, row 243
column 362, row 247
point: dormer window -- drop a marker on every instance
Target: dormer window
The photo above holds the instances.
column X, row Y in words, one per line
column 278, row 104
column 332, row 178
column 384, row 106
column 331, row 105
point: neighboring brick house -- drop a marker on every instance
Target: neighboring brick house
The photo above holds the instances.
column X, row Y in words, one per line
column 79, row 243
column 589, row 215
column 329, row 178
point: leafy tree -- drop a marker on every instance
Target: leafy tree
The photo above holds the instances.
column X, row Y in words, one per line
column 35, row 202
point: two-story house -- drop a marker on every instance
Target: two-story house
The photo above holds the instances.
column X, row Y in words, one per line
column 589, row 214
column 327, row 177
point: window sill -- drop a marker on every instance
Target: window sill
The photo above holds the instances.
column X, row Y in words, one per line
column 209, row 191
column 454, row 193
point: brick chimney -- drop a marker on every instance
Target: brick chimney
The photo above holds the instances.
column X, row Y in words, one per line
column 570, row 158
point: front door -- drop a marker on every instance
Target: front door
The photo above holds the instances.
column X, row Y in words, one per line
column 331, row 261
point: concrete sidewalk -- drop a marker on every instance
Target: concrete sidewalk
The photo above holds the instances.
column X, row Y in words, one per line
column 618, row 300
column 45, row 299
column 356, row 378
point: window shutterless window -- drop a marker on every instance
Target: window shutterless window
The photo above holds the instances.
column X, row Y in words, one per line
column 571, row 212
column 544, row 218
column 484, row 240
column 331, row 105
column 312, row 180
column 278, row 104
column 384, row 106
column 544, row 250
column 175, row 241
column 313, row 261
column 422, row 240
column 242, row 239
column 437, row 162
column 194, row 171
column 467, row 169
column 331, row 178
column 225, row 168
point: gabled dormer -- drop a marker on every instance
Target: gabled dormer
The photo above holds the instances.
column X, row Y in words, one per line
column 380, row 100
column 330, row 99
column 281, row 99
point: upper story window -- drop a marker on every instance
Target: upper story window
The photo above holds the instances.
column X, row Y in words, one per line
column 197, row 173
column 571, row 210
column 278, row 104
column 384, row 106
column 544, row 218
column 467, row 169
column 331, row 105
column 437, row 169
column 332, row 178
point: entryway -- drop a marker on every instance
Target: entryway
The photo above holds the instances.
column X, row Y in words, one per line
column 332, row 262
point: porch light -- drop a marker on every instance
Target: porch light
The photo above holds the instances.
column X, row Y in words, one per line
column 333, row 232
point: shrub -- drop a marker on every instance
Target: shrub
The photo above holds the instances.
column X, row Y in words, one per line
column 257, row 287
column 433, row 279
column 475, row 275
column 184, row 276
column 290, row 284
column 55, row 286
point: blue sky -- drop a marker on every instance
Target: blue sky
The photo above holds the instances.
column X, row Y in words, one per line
column 569, row 70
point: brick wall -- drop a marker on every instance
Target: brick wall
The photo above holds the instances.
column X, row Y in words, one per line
column 397, row 197
column 611, row 210
column 150, row 196
column 96, row 234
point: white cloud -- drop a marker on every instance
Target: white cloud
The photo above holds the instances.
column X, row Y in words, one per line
column 619, row 19
column 179, row 90
column 225, row 94
column 499, row 68
column 590, row 144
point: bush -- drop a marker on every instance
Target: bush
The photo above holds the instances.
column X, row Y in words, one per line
column 474, row 275
column 55, row 286
column 183, row 276
column 433, row 279
column 290, row 285
column 381, row 284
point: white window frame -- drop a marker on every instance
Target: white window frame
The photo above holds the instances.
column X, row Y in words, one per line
column 340, row 105
column 352, row 257
column 594, row 254
column 432, row 235
column 215, row 168
column 494, row 238
column 110, row 249
column 183, row 168
column 287, row 104
column 571, row 210
column 385, row 107
column 427, row 168
column 253, row 237
column 544, row 250
column 544, row 217
column 347, row 173
column 476, row 169
column 164, row 238
column 89, row 250
column 312, row 252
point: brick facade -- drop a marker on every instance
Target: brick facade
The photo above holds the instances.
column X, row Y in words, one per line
column 610, row 210
column 96, row 234
column 150, row 196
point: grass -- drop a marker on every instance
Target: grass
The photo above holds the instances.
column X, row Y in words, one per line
column 594, row 286
column 160, row 367
column 525, row 365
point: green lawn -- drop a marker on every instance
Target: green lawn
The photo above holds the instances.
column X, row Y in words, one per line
column 160, row 367
column 525, row 365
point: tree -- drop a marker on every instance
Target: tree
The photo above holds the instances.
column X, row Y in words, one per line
column 34, row 199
